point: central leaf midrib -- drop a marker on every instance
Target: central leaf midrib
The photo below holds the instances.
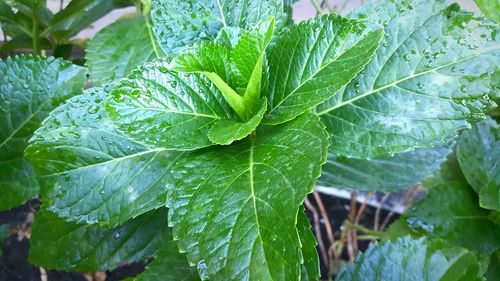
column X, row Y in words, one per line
column 254, row 197
column 118, row 159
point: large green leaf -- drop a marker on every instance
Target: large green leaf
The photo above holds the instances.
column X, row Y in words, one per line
column 451, row 212
column 429, row 77
column 165, row 108
column 181, row 23
column 78, row 15
column 309, row 269
column 478, row 153
column 62, row 245
column 400, row 171
column 91, row 172
column 409, row 259
column 119, row 48
column 235, row 208
column 490, row 9
column 313, row 60
column 30, row 87
column 169, row 265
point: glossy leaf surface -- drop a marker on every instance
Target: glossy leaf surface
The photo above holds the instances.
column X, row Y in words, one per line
column 309, row 269
column 169, row 265
column 91, row 172
column 62, row 245
column 451, row 212
column 30, row 87
column 119, row 48
column 313, row 60
column 490, row 9
column 478, row 153
column 226, row 131
column 181, row 23
column 430, row 76
column 409, row 259
column 400, row 171
column 167, row 109
column 236, row 207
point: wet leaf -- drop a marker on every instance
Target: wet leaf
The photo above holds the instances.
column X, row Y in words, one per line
column 119, row 48
column 478, row 153
column 30, row 87
column 235, row 208
column 91, row 172
column 58, row 244
column 430, row 76
column 408, row 259
column 313, row 60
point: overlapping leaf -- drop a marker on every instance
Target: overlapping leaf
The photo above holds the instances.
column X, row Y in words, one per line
column 400, row 171
column 451, row 212
column 313, row 60
column 490, row 9
column 30, row 87
column 409, row 259
column 478, row 153
column 236, row 207
column 309, row 269
column 167, row 109
column 180, row 23
column 119, row 48
column 427, row 79
column 62, row 245
column 169, row 265
column 91, row 172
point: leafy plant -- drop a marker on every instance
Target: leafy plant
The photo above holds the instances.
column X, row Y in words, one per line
column 232, row 122
column 31, row 25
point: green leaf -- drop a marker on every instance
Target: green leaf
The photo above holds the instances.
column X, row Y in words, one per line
column 247, row 59
column 309, row 269
column 226, row 131
column 30, row 87
column 235, row 207
column 78, row 15
column 58, row 244
column 228, row 36
column 451, row 212
column 493, row 272
column 313, row 60
column 169, row 265
column 428, row 78
column 490, row 9
column 119, row 48
column 400, row 171
column 167, row 109
column 211, row 60
column 478, row 153
column 91, row 172
column 181, row 23
column 409, row 259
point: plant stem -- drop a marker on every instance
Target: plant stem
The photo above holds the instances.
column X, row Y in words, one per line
column 317, row 6
column 35, row 30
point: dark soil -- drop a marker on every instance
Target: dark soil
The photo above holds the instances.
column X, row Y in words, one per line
column 14, row 264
